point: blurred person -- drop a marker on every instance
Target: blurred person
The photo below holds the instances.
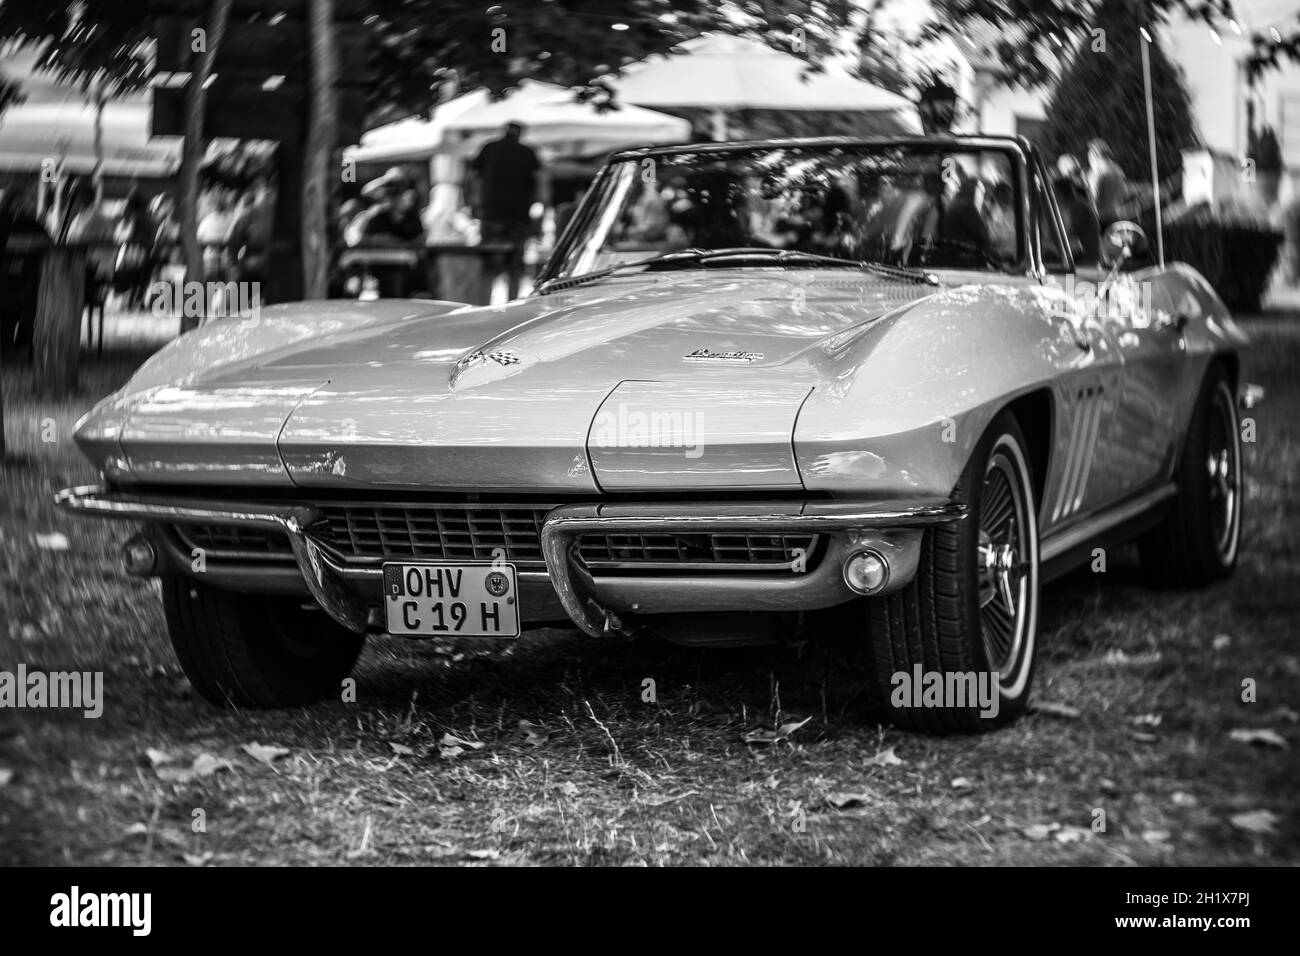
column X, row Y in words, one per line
column 394, row 214
column 1082, row 228
column 250, row 233
column 23, row 235
column 504, row 184
column 88, row 225
column 166, row 229
column 963, row 222
column 134, row 262
column 213, row 234
column 349, row 210
column 1108, row 187
column 1000, row 216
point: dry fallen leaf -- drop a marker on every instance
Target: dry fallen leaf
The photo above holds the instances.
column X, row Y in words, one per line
column 451, row 740
column 1182, row 799
column 1256, row 821
column 6, row 775
column 401, row 749
column 1286, row 714
column 1146, row 720
column 1052, row 709
column 1143, row 736
column 783, row 732
column 204, row 765
column 1258, row 735
column 961, row 783
column 1156, row 836
column 1072, row 834
column 1221, row 641
column 1117, row 656
column 483, row 854
column 843, row 801
column 886, row 758
column 1041, row 831
column 158, row 757
column 535, row 735
column 266, row 753
column 197, row 859
column 54, row 541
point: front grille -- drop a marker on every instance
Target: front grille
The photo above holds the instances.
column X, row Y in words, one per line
column 436, row 532
column 709, row 551
column 235, row 542
column 372, row 533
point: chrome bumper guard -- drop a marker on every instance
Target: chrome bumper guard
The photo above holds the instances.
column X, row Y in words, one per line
column 573, row 584
column 576, row 587
column 322, row 581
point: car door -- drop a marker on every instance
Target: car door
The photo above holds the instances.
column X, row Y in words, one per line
column 1151, row 350
column 1085, row 476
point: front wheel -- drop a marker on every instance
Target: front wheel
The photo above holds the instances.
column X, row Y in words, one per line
column 954, row 649
column 253, row 650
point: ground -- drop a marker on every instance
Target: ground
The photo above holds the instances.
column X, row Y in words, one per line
column 1130, row 759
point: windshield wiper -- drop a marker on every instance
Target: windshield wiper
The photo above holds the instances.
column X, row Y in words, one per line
column 900, row 272
column 569, row 282
column 706, row 257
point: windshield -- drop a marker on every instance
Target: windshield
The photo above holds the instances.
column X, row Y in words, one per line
column 921, row 205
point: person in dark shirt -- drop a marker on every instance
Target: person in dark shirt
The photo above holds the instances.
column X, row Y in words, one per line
column 504, row 186
column 1082, row 227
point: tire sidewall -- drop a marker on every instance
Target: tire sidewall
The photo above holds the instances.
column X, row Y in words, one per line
column 1004, row 439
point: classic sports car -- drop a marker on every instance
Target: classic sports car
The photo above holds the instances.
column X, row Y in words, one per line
column 760, row 387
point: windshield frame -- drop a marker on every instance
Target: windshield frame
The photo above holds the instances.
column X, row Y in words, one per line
column 1017, row 148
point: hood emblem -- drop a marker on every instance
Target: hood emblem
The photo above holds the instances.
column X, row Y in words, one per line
column 478, row 357
column 708, row 355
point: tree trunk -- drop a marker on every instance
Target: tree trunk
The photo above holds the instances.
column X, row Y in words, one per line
column 56, row 335
column 318, row 158
column 192, row 149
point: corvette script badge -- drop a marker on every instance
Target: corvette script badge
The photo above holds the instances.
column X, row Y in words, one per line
column 708, row 355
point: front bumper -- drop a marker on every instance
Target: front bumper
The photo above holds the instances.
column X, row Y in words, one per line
column 595, row 603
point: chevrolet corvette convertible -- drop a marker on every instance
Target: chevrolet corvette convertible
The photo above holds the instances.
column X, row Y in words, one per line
column 761, row 390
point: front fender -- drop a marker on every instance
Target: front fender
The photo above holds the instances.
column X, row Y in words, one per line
column 905, row 401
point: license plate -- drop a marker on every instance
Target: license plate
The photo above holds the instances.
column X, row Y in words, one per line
column 467, row 600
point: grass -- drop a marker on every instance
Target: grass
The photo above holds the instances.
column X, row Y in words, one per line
column 575, row 767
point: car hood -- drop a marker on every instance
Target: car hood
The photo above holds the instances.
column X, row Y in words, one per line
column 692, row 379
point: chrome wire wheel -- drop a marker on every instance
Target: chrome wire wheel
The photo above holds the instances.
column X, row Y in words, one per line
column 1223, row 469
column 1007, row 565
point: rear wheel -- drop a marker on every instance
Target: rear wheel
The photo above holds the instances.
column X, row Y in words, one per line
column 1198, row 540
column 954, row 650
column 252, row 650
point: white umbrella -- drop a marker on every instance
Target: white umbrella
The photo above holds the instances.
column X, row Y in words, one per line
column 722, row 73
column 553, row 124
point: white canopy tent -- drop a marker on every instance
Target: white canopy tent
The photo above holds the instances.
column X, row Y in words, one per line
column 554, row 125
column 724, row 73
